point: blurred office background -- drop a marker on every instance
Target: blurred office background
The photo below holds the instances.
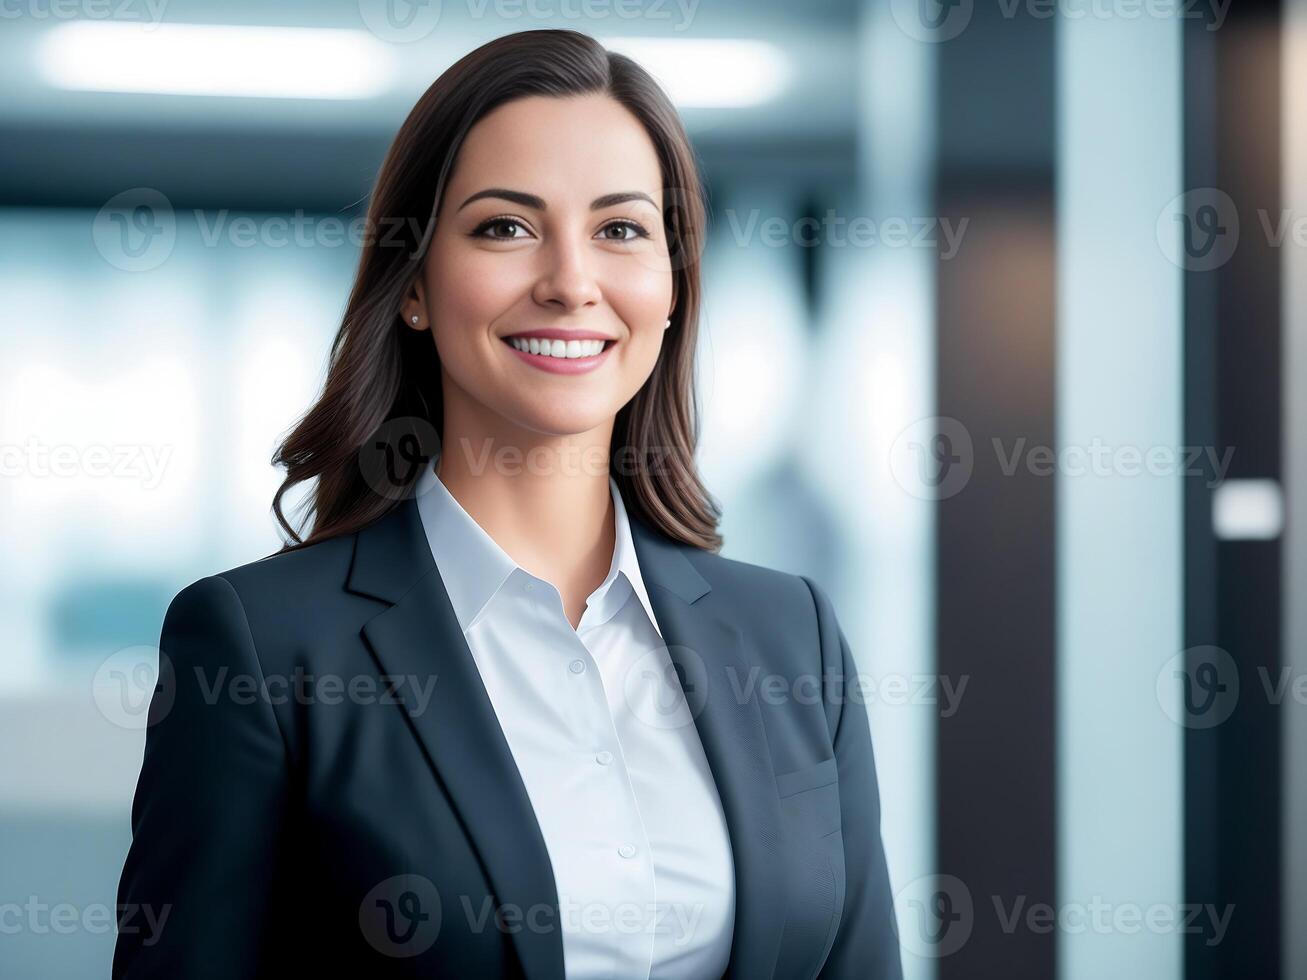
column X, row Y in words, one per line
column 1003, row 343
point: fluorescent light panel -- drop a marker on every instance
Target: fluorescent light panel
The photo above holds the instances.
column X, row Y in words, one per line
column 720, row 73
column 1248, row 510
column 219, row 60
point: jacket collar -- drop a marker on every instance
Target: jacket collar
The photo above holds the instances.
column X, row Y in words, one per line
column 460, row 734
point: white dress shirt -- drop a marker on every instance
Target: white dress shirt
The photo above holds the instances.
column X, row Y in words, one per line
column 607, row 749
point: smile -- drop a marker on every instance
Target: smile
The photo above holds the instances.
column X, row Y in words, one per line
column 560, row 356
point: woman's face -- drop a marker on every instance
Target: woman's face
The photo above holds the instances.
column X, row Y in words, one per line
column 525, row 243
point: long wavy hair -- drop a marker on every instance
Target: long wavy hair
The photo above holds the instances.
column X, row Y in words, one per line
column 383, row 383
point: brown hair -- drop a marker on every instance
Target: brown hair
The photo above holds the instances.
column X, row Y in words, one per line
column 385, row 378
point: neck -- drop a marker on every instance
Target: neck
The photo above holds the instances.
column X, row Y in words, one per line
column 544, row 499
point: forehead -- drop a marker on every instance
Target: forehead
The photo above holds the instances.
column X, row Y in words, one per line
column 571, row 148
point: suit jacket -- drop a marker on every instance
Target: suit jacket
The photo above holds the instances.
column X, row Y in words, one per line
column 326, row 786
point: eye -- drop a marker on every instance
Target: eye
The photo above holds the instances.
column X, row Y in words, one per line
column 623, row 224
column 499, row 221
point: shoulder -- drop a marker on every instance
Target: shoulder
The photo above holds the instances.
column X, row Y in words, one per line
column 788, row 605
column 289, row 575
column 278, row 594
column 735, row 575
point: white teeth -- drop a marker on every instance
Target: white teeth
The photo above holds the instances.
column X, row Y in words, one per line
column 557, row 348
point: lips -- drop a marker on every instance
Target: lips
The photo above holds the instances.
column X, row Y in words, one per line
column 558, row 333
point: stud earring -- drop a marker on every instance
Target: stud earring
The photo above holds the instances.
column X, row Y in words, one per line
column 415, row 319
column 669, row 323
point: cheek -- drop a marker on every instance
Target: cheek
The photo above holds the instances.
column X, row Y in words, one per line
column 642, row 299
column 468, row 291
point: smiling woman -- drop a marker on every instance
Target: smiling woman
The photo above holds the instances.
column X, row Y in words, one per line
column 541, row 188
column 585, row 793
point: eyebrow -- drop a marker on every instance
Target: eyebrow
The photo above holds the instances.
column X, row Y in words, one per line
column 538, row 203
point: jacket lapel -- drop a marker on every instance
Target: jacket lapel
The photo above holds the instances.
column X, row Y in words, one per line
column 707, row 649
column 419, row 633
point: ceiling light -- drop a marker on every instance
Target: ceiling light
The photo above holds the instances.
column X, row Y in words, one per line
column 201, row 59
column 709, row 72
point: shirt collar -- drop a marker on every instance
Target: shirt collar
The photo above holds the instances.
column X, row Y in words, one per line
column 480, row 567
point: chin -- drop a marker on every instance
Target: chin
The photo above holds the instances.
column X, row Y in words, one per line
column 558, row 418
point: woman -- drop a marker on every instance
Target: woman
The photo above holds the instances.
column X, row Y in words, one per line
column 506, row 711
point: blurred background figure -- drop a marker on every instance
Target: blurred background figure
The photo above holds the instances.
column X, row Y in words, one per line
column 1003, row 343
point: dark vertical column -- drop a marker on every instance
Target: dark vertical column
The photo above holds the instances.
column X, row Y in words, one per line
column 995, row 537
column 1248, row 572
column 1233, row 325
column 1201, row 744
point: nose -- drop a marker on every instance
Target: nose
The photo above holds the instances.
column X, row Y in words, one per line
column 566, row 281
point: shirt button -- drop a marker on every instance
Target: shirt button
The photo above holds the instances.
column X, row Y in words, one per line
column 603, row 758
column 576, row 666
column 627, row 850
column 530, row 586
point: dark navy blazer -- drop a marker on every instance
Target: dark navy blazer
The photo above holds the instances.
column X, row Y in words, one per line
column 288, row 823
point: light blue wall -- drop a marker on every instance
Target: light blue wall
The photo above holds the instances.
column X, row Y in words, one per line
column 1119, row 373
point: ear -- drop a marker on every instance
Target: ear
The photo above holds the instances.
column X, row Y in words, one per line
column 415, row 305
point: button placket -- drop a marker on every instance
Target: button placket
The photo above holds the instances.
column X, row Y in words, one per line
column 613, row 815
